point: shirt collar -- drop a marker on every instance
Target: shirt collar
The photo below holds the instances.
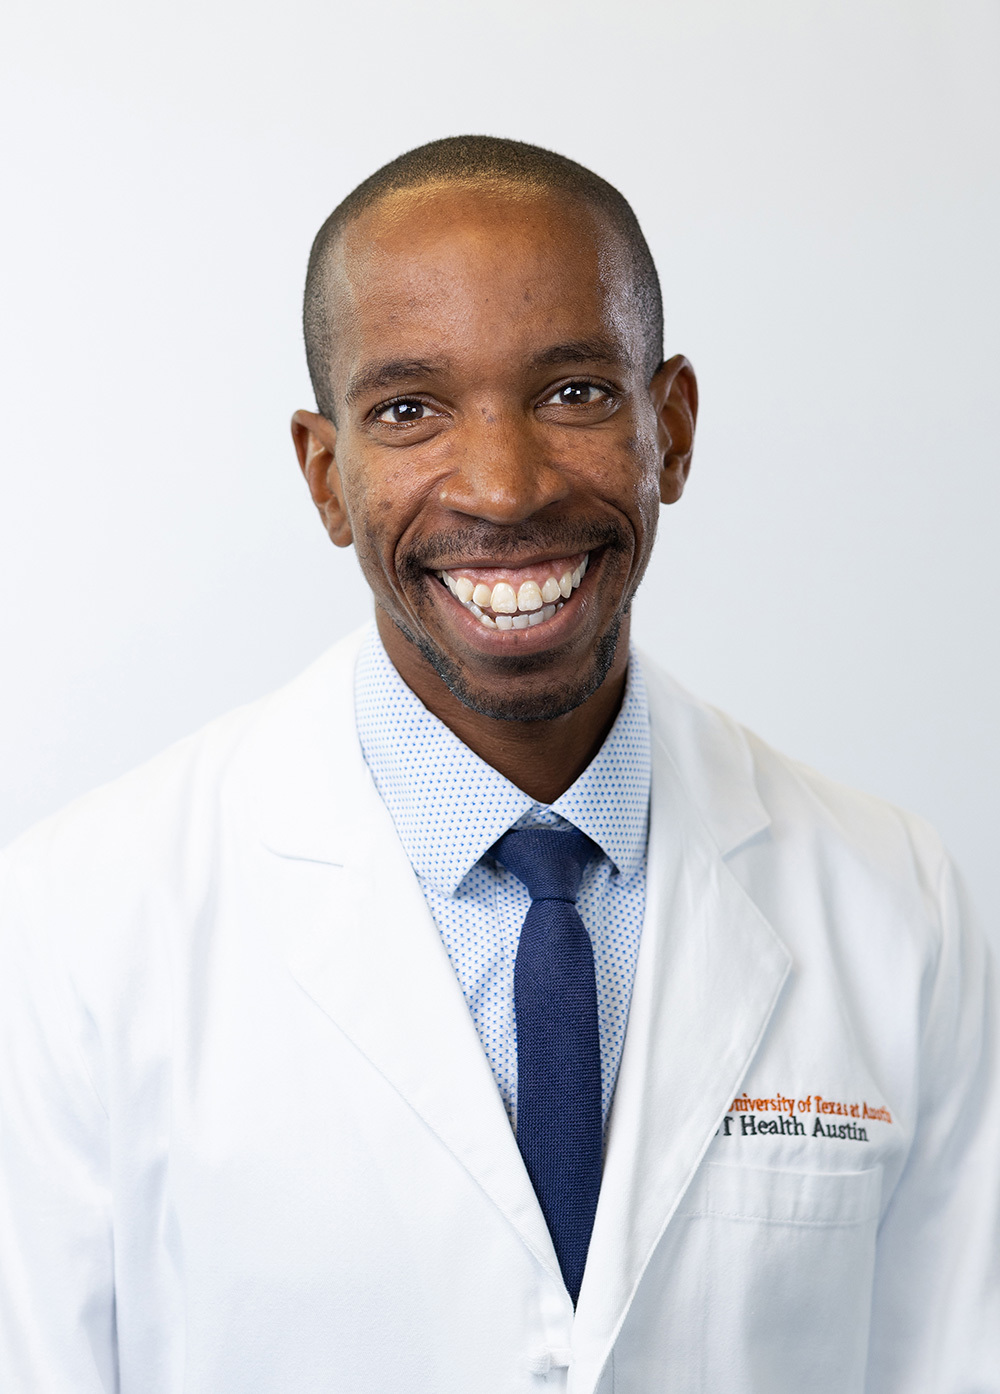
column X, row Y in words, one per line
column 449, row 806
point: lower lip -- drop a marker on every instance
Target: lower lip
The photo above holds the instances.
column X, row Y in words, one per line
column 536, row 638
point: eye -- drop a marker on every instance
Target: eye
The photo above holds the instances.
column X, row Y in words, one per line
column 577, row 394
column 403, row 411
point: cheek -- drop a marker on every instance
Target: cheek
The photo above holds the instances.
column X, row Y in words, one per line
column 645, row 472
column 376, row 501
column 382, row 508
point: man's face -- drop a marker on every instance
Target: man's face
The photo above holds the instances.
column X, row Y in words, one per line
column 498, row 455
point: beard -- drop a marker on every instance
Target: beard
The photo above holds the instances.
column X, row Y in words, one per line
column 544, row 705
column 497, row 700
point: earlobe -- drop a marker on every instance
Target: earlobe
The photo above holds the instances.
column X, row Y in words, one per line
column 674, row 390
column 672, row 479
column 315, row 441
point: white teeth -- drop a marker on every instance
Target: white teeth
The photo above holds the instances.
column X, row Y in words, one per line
column 530, row 604
column 503, row 601
column 529, row 597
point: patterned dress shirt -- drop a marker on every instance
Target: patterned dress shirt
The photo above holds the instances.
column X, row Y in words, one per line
column 449, row 807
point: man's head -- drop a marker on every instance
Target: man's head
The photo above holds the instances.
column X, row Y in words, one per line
column 484, row 333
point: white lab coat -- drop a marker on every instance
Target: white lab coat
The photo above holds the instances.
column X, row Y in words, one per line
column 252, row 1144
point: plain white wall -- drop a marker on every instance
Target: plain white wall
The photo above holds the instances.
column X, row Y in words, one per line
column 819, row 184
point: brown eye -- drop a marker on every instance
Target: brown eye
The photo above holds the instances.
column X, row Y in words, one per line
column 576, row 394
column 403, row 411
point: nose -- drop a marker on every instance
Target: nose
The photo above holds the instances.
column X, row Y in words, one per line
column 502, row 472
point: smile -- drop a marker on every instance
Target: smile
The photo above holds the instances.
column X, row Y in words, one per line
column 518, row 598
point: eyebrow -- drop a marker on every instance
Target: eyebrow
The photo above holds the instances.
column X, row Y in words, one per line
column 380, row 375
column 394, row 372
column 598, row 349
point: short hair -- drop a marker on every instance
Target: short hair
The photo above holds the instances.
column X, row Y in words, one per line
column 469, row 158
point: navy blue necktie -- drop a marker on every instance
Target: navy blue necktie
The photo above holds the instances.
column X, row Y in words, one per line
column 559, row 1125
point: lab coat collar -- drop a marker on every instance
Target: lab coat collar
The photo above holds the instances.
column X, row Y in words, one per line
column 708, row 754
column 304, row 765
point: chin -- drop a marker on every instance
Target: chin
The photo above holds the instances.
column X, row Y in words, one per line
column 522, row 693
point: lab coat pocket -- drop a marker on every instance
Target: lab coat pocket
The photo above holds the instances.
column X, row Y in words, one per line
column 760, row 1285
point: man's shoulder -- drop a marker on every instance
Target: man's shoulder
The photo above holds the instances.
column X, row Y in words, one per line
column 175, row 797
column 733, row 774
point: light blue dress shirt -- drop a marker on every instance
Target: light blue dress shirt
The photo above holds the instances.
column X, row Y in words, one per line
column 449, row 807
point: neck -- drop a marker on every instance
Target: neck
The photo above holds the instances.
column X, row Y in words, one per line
column 541, row 757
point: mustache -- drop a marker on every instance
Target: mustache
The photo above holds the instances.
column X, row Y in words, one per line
column 485, row 543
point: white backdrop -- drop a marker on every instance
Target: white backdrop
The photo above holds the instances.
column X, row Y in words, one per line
column 819, row 184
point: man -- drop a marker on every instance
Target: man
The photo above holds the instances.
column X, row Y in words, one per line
column 481, row 1012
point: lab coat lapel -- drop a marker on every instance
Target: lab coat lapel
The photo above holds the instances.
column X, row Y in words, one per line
column 366, row 949
column 709, row 975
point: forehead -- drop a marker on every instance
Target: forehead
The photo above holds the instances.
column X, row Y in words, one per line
column 478, row 271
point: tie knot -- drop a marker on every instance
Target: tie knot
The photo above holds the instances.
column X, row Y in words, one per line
column 549, row 862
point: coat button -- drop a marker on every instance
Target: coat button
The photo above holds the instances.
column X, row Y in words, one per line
column 556, row 1358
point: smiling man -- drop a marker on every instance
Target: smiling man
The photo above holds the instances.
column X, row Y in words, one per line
column 482, row 1012
column 497, row 433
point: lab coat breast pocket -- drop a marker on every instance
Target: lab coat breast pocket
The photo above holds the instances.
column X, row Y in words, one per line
column 761, row 1284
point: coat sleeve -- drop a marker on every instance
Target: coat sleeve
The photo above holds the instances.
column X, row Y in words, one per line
column 57, row 1310
column 936, row 1309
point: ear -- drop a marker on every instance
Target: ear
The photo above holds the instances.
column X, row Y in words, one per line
column 674, row 391
column 315, row 442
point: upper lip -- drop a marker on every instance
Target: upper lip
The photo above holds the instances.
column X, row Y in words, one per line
column 511, row 563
